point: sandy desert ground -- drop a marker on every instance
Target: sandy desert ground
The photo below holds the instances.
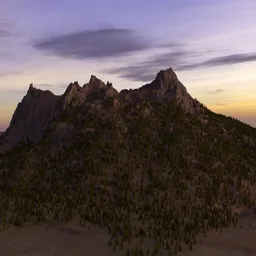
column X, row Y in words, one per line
column 75, row 241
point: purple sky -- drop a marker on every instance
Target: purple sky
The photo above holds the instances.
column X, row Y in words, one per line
column 210, row 44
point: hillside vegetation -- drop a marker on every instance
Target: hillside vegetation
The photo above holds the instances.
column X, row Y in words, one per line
column 150, row 172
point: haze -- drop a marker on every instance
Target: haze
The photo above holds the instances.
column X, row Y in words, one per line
column 210, row 45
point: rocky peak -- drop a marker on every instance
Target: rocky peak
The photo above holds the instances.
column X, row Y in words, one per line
column 31, row 87
column 94, row 90
column 36, row 93
column 166, row 76
column 38, row 108
column 95, row 85
column 165, row 86
column 167, row 80
column 32, row 90
column 171, row 88
column 96, row 82
column 72, row 88
column 73, row 93
column 32, row 115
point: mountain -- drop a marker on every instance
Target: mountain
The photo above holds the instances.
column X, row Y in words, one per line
column 166, row 86
column 31, row 116
column 39, row 108
column 151, row 165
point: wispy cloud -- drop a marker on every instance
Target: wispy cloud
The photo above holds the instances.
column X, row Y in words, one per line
column 218, row 91
column 221, row 61
column 119, row 42
column 11, row 73
column 5, row 29
column 63, row 86
column 179, row 60
column 146, row 70
column 24, row 89
column 221, row 103
column 43, row 85
column 95, row 44
column 3, row 32
column 21, row 91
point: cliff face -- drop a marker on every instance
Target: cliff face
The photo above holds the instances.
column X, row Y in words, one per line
column 165, row 86
column 32, row 115
column 39, row 108
column 94, row 90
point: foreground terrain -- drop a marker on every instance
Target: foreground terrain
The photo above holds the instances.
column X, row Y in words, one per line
column 152, row 171
column 52, row 240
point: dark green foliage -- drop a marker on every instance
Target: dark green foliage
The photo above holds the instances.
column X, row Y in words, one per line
column 147, row 170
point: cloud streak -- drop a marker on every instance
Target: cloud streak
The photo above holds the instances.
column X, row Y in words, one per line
column 218, row 91
column 4, row 28
column 15, row 91
column 221, row 61
column 146, row 70
column 180, row 60
column 95, row 44
column 221, row 103
column 119, row 42
column 43, row 85
column 5, row 74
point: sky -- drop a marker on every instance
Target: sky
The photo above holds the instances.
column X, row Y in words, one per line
column 210, row 44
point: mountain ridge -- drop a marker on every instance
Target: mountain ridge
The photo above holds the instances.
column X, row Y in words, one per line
column 39, row 108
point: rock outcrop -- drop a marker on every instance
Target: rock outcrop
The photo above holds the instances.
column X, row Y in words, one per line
column 94, row 90
column 39, row 108
column 32, row 115
column 166, row 86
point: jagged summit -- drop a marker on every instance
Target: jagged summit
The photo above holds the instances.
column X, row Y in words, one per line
column 165, row 86
column 31, row 115
column 166, row 74
column 72, row 87
column 34, row 92
column 94, row 90
column 39, row 108
column 96, row 81
column 95, row 85
column 165, row 81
